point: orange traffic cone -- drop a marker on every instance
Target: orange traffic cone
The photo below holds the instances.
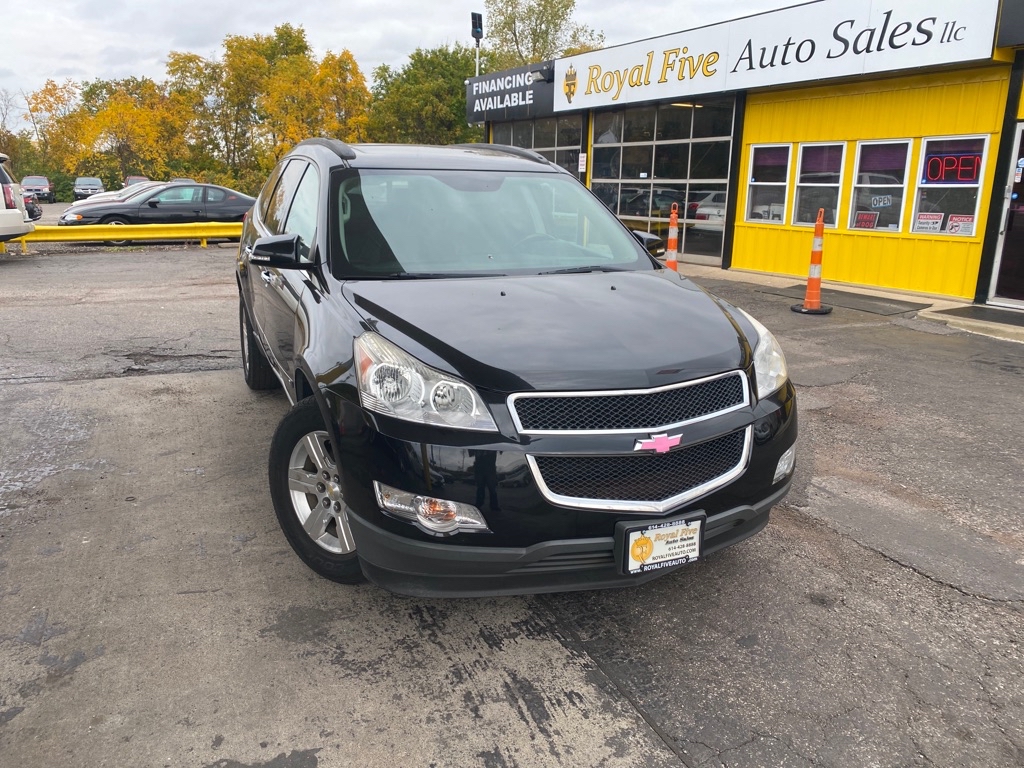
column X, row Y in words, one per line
column 673, row 239
column 812, row 297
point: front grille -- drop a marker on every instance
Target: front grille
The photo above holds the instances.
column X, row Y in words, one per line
column 643, row 477
column 629, row 411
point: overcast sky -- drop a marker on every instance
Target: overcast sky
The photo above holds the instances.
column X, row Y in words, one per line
column 107, row 39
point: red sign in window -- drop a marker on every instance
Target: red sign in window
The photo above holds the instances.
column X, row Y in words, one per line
column 952, row 169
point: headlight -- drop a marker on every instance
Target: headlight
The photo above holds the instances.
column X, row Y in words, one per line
column 71, row 217
column 769, row 362
column 393, row 382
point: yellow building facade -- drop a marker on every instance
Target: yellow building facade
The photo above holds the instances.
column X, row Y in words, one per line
column 947, row 105
column 903, row 124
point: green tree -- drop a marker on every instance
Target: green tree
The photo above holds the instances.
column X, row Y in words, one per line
column 529, row 31
column 424, row 102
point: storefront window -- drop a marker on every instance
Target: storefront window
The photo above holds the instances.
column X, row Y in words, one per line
column 709, row 160
column 646, row 159
column 819, row 178
column 674, row 122
column 556, row 139
column 501, row 133
column 636, row 162
column 711, row 119
column 638, row 125
column 769, row 178
column 522, row 134
column 879, row 186
column 608, row 128
column 544, row 132
column 570, row 131
column 947, row 196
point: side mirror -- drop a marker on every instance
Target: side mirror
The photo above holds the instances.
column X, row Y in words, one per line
column 278, row 251
column 154, row 203
column 653, row 244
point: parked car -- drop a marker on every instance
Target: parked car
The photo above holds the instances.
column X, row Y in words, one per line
column 129, row 180
column 710, row 212
column 117, row 194
column 14, row 219
column 641, row 204
column 446, row 321
column 86, row 186
column 41, row 187
column 163, row 204
column 32, row 207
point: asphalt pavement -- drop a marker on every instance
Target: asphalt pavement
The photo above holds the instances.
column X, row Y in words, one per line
column 152, row 614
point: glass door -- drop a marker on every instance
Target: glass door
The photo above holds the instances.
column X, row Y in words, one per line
column 1008, row 277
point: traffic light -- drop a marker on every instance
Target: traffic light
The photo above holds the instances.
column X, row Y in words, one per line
column 478, row 25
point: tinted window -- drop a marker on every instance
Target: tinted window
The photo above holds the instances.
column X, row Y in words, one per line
column 472, row 223
column 179, row 195
column 4, row 178
column 302, row 215
column 280, row 200
column 268, row 189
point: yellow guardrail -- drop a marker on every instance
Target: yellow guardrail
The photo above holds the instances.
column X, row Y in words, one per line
column 88, row 233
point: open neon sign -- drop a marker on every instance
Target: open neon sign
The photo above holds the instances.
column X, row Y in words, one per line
column 952, row 169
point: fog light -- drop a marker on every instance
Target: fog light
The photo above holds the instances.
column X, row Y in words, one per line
column 785, row 464
column 430, row 514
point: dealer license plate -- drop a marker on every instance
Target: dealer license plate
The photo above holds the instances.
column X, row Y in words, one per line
column 655, row 545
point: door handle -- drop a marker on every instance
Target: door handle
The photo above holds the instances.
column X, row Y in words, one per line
column 268, row 277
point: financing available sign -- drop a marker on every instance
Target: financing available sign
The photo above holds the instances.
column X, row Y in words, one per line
column 814, row 41
column 513, row 94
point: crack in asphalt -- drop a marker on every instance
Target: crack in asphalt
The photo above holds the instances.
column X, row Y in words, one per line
column 915, row 569
column 670, row 743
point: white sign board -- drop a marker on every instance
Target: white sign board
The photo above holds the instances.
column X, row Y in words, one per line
column 814, row 41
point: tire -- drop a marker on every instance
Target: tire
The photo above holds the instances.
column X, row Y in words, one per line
column 304, row 476
column 119, row 221
column 255, row 368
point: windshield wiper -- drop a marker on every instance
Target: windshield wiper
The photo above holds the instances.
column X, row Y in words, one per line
column 580, row 270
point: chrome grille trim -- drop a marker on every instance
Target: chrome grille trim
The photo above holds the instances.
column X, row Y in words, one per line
column 647, row 507
column 513, row 399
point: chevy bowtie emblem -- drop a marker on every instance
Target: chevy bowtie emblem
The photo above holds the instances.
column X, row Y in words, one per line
column 658, row 443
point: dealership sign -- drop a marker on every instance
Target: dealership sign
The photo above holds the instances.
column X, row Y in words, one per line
column 818, row 40
column 513, row 94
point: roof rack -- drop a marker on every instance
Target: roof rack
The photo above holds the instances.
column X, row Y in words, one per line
column 340, row 148
column 527, row 154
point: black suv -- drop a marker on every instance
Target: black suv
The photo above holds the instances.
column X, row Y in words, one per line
column 495, row 389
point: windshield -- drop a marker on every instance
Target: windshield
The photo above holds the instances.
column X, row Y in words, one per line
column 86, row 181
column 467, row 223
column 34, row 180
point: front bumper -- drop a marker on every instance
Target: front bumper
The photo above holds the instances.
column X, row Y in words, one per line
column 537, row 541
column 425, row 569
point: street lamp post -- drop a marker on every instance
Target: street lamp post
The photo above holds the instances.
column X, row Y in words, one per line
column 477, row 21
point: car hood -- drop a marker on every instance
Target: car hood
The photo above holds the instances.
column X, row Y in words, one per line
column 622, row 330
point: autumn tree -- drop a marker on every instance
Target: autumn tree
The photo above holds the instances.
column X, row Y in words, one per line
column 190, row 88
column 223, row 119
column 344, row 97
column 425, row 101
column 54, row 115
column 529, row 31
column 129, row 127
